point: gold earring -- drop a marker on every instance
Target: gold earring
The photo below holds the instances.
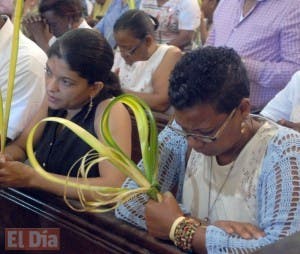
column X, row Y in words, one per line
column 91, row 104
column 243, row 127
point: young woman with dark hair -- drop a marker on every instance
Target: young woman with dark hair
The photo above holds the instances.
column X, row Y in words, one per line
column 79, row 85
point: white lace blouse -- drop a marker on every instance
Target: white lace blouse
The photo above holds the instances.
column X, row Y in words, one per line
column 226, row 192
column 270, row 189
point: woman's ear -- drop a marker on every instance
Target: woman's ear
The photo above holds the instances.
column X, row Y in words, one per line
column 245, row 107
column 96, row 88
column 148, row 40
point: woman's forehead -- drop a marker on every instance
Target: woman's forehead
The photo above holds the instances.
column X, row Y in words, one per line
column 202, row 115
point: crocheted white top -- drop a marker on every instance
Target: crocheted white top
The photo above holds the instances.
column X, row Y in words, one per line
column 274, row 194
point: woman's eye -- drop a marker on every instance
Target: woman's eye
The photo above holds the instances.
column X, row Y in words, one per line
column 48, row 72
column 66, row 82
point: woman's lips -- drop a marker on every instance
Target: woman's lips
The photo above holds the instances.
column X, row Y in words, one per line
column 52, row 99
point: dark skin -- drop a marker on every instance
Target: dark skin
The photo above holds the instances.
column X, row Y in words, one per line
column 289, row 124
column 204, row 118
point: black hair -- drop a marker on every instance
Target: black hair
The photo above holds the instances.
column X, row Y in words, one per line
column 209, row 75
column 62, row 8
column 88, row 53
column 137, row 22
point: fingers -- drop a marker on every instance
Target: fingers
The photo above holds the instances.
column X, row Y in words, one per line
column 33, row 19
column 244, row 230
column 292, row 125
column 2, row 158
column 286, row 123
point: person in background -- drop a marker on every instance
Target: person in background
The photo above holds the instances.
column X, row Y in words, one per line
column 106, row 24
column 178, row 21
column 79, row 86
column 7, row 8
column 29, row 85
column 30, row 6
column 142, row 64
column 56, row 17
column 87, row 7
column 100, row 8
column 266, row 35
column 207, row 9
column 241, row 185
column 284, row 108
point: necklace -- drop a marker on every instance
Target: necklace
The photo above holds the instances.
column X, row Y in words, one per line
column 211, row 207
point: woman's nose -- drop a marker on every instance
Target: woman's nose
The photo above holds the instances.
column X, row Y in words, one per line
column 195, row 143
column 52, row 84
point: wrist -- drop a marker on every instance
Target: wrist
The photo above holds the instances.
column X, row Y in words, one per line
column 183, row 231
column 32, row 177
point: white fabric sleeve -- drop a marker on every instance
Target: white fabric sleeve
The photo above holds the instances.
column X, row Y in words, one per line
column 189, row 15
column 281, row 106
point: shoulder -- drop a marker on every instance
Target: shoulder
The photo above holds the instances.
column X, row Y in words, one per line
column 30, row 52
column 285, row 143
column 118, row 109
column 171, row 52
column 294, row 83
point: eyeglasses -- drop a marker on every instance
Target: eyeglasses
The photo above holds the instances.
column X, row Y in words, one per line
column 203, row 138
column 130, row 52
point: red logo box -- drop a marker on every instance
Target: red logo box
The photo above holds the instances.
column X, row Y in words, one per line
column 32, row 239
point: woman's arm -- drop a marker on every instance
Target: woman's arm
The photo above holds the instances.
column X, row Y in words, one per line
column 158, row 100
column 278, row 206
column 278, row 199
column 183, row 38
column 172, row 149
column 120, row 127
column 16, row 174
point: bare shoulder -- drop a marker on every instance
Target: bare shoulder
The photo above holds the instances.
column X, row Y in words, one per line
column 174, row 51
column 118, row 109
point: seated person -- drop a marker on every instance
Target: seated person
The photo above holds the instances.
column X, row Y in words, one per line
column 142, row 64
column 178, row 21
column 285, row 106
column 7, row 7
column 241, row 186
column 29, row 83
column 79, row 94
column 207, row 9
column 106, row 24
column 59, row 16
column 99, row 9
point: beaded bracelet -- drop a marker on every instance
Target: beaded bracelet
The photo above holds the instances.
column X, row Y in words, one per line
column 174, row 226
column 184, row 233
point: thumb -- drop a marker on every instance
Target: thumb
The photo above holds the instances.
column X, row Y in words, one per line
column 168, row 194
column 2, row 158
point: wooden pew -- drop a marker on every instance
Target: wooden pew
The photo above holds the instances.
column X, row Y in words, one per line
column 161, row 121
column 287, row 245
column 79, row 232
column 92, row 233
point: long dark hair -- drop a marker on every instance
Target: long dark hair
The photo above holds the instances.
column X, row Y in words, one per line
column 88, row 53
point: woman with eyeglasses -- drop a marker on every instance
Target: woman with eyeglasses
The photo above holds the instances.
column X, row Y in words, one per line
column 241, row 183
column 143, row 65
